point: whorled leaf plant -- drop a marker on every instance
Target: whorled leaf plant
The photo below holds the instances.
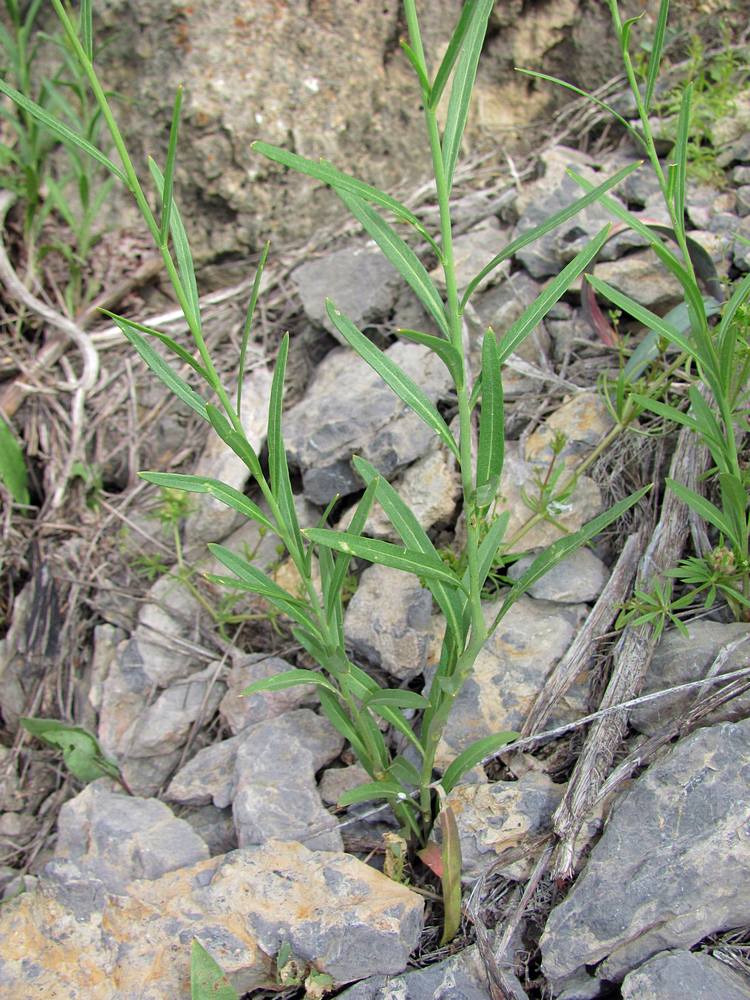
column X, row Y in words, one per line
column 354, row 702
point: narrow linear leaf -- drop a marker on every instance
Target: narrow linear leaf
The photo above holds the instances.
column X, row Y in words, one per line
column 734, row 499
column 416, row 65
column 648, row 349
column 666, row 411
column 392, row 375
column 657, row 47
column 451, row 54
column 463, row 85
column 236, row 441
column 444, row 350
column 396, row 698
column 356, row 527
column 404, row 771
column 288, row 679
column 473, row 755
column 213, row 487
column 531, row 317
column 87, row 29
column 384, row 553
column 371, row 791
column 702, row 507
column 185, row 265
column 169, row 169
column 62, row 132
column 281, row 485
column 400, row 255
column 487, row 554
column 680, row 157
column 531, row 235
column 163, row 338
column 247, row 328
column 728, row 329
column 451, row 877
column 164, row 371
column 492, row 419
column 342, row 723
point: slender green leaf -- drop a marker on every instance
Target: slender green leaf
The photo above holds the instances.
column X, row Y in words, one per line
column 531, row 317
column 413, row 535
column 13, row 465
column 487, row 554
column 277, row 464
column 372, row 791
column 163, row 338
column 213, row 487
column 384, row 553
column 648, row 349
column 81, row 751
column 396, row 698
column 451, row 878
column 288, row 679
column 392, row 375
column 207, row 979
column 169, row 169
column 342, row 723
column 247, row 328
column 734, row 499
column 657, row 47
column 356, row 527
column 401, row 256
column 463, row 86
column 447, row 353
column 451, row 54
column 709, row 428
column 666, row 411
column 492, row 419
column 473, row 755
column 702, row 507
column 87, row 29
column 416, row 65
column 563, row 547
column 728, row 329
column 185, row 266
column 680, row 157
column 164, row 371
column 404, row 772
column 236, row 441
column 62, row 132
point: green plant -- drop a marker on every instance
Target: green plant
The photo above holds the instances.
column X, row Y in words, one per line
column 12, row 465
column 711, row 359
column 81, row 752
column 207, row 979
column 352, row 700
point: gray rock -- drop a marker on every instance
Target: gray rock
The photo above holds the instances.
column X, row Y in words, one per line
column 361, row 283
column 643, row 277
column 578, row 578
column 238, row 712
column 389, row 621
column 337, row 780
column 675, row 975
column 501, row 307
column 501, row 815
column 509, row 673
column 274, row 792
column 164, row 726
column 741, row 248
column 11, row 793
column 348, row 409
column 679, row 659
column 71, row 939
column 670, row 868
column 214, row 826
column 743, row 200
column 107, row 638
column 117, row 838
column 461, row 977
column 583, row 420
column 472, row 251
column 207, row 777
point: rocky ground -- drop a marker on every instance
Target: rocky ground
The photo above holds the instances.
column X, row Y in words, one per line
column 609, row 860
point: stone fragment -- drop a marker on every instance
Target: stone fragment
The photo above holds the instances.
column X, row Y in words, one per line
column 461, row 977
column 117, row 838
column 207, row 777
column 165, row 725
column 360, row 282
column 675, row 975
column 580, row 577
column 583, row 420
column 334, row 911
column 509, row 673
column 214, row 826
column 679, row 659
column 348, row 410
column 643, row 277
column 107, row 638
column 274, row 790
column 500, row 308
column 671, row 867
column 501, row 815
column 389, row 621
column 11, row 793
column 210, row 520
column 238, row 712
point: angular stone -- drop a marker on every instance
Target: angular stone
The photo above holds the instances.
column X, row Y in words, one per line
column 679, row 659
column 207, row 777
column 165, row 725
column 214, row 826
column 389, row 621
column 583, row 420
column 107, row 638
column 350, row 411
column 676, row 975
column 578, row 578
column 671, row 867
column 169, row 616
column 209, row 519
column 461, row 977
column 509, row 673
column 334, row 911
column 274, row 791
column 498, row 816
column 360, row 281
column 117, row 838
column 238, row 712
column 11, row 793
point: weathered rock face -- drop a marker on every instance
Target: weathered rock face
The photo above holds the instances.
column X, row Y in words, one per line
column 324, row 78
column 674, row 975
column 673, row 864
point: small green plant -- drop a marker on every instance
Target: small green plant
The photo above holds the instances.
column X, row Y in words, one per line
column 354, row 702
column 13, row 465
column 80, row 749
column 207, row 979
